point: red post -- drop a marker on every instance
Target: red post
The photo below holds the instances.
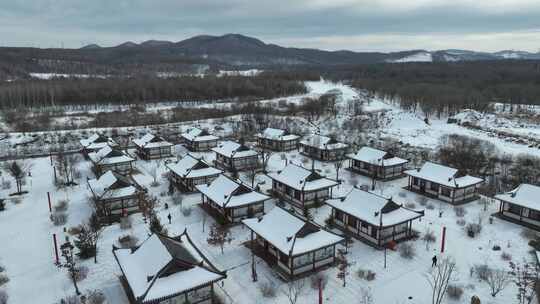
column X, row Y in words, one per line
column 56, row 249
column 320, row 292
column 443, row 240
column 49, row 199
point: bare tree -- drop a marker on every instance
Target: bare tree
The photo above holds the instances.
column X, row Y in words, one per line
column 338, row 165
column 18, row 170
column 219, row 235
column 439, row 277
column 497, row 280
column 265, row 157
column 525, row 277
column 366, row 297
column 343, row 266
column 294, row 290
column 66, row 167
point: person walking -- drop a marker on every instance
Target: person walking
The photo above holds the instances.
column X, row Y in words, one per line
column 170, row 218
column 434, row 261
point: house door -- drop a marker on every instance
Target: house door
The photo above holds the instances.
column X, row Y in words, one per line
column 422, row 185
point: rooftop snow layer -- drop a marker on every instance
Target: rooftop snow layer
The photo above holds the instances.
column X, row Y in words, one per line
column 233, row 149
column 525, row 195
column 226, row 193
column 301, row 178
column 377, row 157
column 443, row 175
column 191, row 167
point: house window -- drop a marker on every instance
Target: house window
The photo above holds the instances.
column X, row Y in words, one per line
column 324, row 253
column 351, row 221
column 445, row 191
column 283, row 258
column 415, row 181
column 302, row 260
column 515, row 209
column 338, row 215
column 434, row 187
column 534, row 215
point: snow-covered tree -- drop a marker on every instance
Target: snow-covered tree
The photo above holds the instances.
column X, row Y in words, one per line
column 219, row 235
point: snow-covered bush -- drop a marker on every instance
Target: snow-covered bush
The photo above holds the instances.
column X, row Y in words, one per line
column 506, row 256
column 367, row 275
column 460, row 211
column 186, row 211
column 406, row 250
column 3, row 297
column 178, row 198
column 3, row 279
column 82, row 273
column 422, row 200
column 6, row 184
column 410, row 205
column 95, row 297
column 268, row 290
column 461, row 222
column 125, row 222
column 454, row 292
column 430, row 206
column 127, row 241
column 2, row 205
column 318, row 277
column 329, row 221
column 529, row 234
column 482, row 271
column 59, row 218
column 473, row 229
column 69, row 300
column 61, row 206
column 75, row 230
column 16, row 200
column 402, row 194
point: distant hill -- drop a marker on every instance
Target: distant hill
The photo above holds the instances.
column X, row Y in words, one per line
column 210, row 53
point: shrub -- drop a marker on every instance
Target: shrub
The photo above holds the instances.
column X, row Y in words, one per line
column 186, row 211
column 2, row 205
column 75, row 230
column 82, row 273
column 461, row 222
column 16, row 200
column 268, row 290
column 127, row 241
column 6, row 184
column 430, row 206
column 506, row 256
column 3, row 279
column 496, row 248
column 3, row 297
column 370, row 276
column 454, row 292
column 473, row 229
column 429, row 236
column 361, row 273
column 529, row 234
column 406, row 250
column 422, row 200
column 125, row 222
column 178, row 198
column 329, row 221
column 410, row 205
column 402, row 194
column 2, row 269
column 154, row 184
column 314, row 280
column 61, row 206
column 95, row 297
column 460, row 211
column 70, row 300
column 364, row 274
column 482, row 271
column 59, row 218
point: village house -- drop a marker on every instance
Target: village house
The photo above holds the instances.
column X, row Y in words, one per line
column 234, row 156
column 301, row 187
column 191, row 171
column 323, row 148
column 95, row 143
column 444, row 183
column 372, row 218
column 521, row 205
column 115, row 195
column 277, row 140
column 231, row 201
column 151, row 146
column 377, row 164
column 113, row 159
column 166, row 270
column 291, row 245
column 199, row 140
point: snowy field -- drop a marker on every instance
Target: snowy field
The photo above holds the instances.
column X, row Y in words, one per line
column 26, row 230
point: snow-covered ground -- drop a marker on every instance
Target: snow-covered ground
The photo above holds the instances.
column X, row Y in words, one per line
column 26, row 230
column 27, row 251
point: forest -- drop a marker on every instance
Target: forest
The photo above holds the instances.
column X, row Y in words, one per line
column 447, row 87
column 125, row 90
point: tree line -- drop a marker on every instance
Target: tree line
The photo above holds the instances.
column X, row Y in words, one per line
column 143, row 89
column 447, row 87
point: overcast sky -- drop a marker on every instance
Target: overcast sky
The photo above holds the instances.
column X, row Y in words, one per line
column 360, row 25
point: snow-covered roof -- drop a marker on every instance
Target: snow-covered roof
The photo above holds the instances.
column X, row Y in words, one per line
column 323, row 142
column 149, row 140
column 233, row 149
column 192, row 167
column 108, row 155
column 525, row 195
column 301, row 178
column 196, row 134
column 111, row 185
column 374, row 209
column 97, row 141
column 377, row 157
column 443, row 175
column 290, row 234
column 277, row 134
column 230, row 193
column 162, row 267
